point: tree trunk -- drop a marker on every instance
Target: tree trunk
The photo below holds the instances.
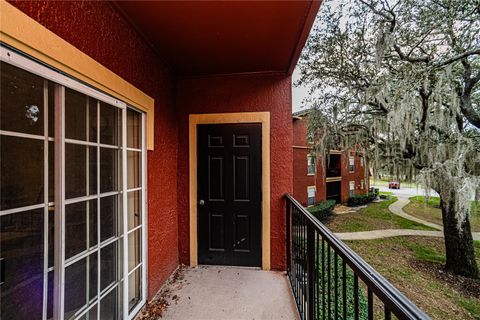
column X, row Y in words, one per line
column 460, row 256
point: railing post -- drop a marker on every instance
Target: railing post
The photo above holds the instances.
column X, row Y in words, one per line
column 311, row 270
column 288, row 236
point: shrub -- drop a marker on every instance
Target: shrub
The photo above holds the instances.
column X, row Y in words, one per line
column 327, row 279
column 337, row 282
column 363, row 199
column 323, row 209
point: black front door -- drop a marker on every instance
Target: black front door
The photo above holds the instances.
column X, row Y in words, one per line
column 229, row 194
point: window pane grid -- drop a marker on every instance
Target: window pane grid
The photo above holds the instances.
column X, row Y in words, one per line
column 23, row 121
column 92, row 197
column 93, row 126
column 20, row 209
column 134, row 210
column 104, row 200
column 134, row 229
column 351, row 164
column 93, row 303
column 310, row 164
column 135, row 268
column 94, row 144
column 134, row 189
column 22, row 135
column 83, row 254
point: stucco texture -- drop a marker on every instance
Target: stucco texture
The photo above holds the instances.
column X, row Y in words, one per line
column 248, row 93
column 97, row 29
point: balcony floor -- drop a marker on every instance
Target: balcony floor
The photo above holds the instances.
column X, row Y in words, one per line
column 209, row 292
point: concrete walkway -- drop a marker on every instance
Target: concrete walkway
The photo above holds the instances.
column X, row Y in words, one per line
column 209, row 292
column 397, row 209
column 386, row 233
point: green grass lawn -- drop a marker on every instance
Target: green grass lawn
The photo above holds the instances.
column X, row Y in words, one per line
column 432, row 212
column 374, row 217
column 385, row 193
column 415, row 266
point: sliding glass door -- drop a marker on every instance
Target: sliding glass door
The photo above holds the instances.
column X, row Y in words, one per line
column 24, row 193
column 72, row 198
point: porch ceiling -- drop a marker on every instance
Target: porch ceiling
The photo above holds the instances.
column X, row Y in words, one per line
column 203, row 38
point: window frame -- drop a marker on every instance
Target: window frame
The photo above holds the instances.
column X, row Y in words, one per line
column 311, row 166
column 62, row 81
column 351, row 164
column 351, row 188
column 314, row 188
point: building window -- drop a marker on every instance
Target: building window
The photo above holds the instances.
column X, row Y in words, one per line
column 98, row 146
column 310, row 164
column 352, row 189
column 361, row 184
column 311, row 195
column 351, row 164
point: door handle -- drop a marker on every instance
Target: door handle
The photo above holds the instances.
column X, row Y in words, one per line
column 201, row 202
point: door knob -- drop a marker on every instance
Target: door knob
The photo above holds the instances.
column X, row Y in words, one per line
column 201, row 202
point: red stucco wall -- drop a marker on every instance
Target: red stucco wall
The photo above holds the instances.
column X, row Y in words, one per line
column 97, row 29
column 357, row 175
column 248, row 93
column 300, row 132
column 300, row 178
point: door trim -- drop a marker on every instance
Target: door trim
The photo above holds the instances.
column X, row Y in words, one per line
column 225, row 118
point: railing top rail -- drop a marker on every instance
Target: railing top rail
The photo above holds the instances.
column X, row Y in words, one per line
column 385, row 291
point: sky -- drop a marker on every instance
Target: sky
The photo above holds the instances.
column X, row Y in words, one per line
column 298, row 93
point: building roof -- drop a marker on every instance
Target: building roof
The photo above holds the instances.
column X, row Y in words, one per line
column 302, row 113
column 197, row 38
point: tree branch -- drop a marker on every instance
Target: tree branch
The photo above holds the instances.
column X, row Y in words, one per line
column 376, row 11
column 458, row 57
column 466, row 94
column 377, row 105
column 408, row 58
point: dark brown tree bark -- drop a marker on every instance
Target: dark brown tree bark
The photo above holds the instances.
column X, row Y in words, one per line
column 460, row 255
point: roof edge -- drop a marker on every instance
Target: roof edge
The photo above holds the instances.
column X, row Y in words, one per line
column 303, row 36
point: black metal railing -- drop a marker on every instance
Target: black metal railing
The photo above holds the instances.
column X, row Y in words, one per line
column 330, row 281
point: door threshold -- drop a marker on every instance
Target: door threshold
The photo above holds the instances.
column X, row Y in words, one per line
column 227, row 267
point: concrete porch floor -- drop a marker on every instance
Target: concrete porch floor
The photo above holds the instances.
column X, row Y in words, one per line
column 209, row 292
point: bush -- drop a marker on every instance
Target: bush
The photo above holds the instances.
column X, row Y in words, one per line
column 323, row 209
column 327, row 279
column 337, row 282
column 363, row 199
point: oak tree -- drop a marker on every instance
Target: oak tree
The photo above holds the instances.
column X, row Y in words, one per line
column 402, row 78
